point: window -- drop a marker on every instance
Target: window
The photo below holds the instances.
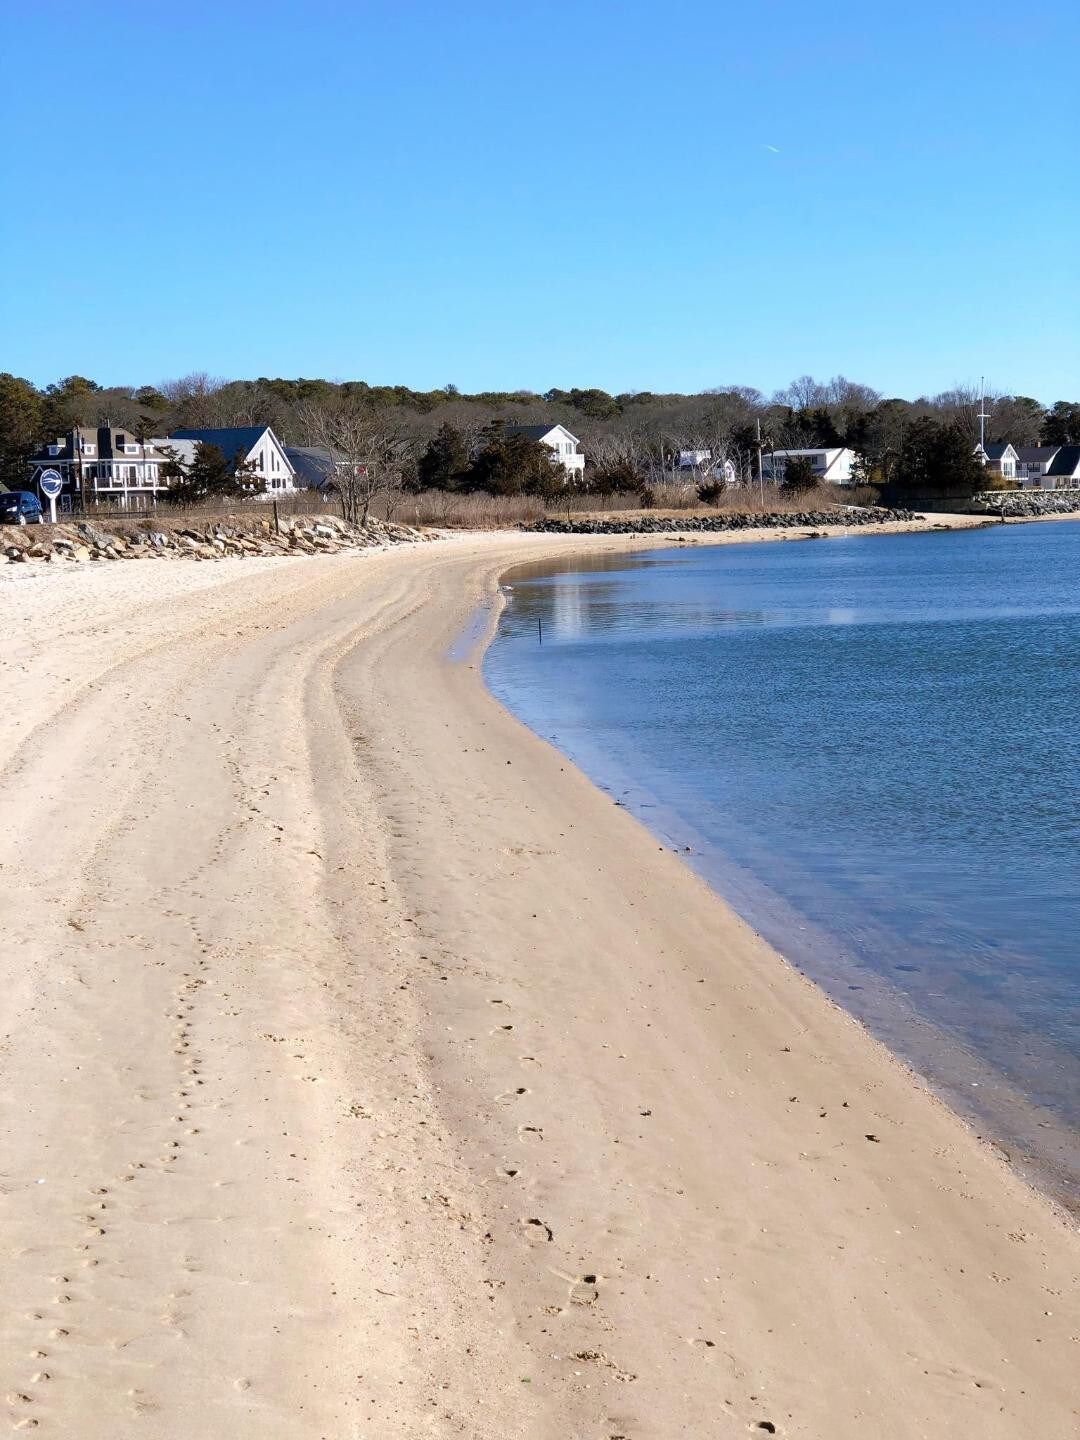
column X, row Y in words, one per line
column 54, row 449
column 131, row 449
column 89, row 449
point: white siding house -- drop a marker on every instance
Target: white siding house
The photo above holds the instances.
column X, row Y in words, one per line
column 1063, row 472
column 1002, row 459
column 831, row 465
column 1032, row 464
column 255, row 444
column 566, row 448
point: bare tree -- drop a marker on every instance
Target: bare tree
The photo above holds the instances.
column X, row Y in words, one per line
column 370, row 450
column 805, row 393
column 960, row 405
column 191, row 400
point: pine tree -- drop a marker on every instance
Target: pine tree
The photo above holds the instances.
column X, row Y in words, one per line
column 445, row 461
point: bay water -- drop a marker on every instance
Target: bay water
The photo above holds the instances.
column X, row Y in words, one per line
column 869, row 747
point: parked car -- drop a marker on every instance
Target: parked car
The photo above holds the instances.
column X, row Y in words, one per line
column 20, row 507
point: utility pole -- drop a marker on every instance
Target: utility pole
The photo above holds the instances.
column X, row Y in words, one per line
column 760, row 475
column 80, row 477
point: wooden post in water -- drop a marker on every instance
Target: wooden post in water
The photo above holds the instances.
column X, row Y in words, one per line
column 540, row 629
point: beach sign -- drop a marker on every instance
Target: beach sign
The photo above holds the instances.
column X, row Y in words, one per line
column 51, row 482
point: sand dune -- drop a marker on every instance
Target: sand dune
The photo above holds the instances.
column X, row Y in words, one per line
column 367, row 1073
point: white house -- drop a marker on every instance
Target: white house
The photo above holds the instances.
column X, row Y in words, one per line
column 831, row 465
column 254, row 444
column 694, row 459
column 102, row 464
column 1063, row 472
column 565, row 447
column 1032, row 463
column 1002, row 459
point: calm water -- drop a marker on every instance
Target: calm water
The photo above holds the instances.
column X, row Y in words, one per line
column 870, row 746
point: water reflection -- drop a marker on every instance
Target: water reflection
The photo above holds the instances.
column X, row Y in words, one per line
column 870, row 742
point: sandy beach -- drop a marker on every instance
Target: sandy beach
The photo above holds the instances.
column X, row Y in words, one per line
column 367, row 1073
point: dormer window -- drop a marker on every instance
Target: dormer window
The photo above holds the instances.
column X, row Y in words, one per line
column 131, row 449
column 89, row 449
column 54, row 449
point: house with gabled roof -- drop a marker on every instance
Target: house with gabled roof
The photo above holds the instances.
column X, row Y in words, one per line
column 1063, row 472
column 831, row 464
column 1032, row 463
column 1000, row 458
column 565, row 448
column 255, row 445
column 102, row 464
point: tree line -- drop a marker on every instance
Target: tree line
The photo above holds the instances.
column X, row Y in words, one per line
column 446, row 439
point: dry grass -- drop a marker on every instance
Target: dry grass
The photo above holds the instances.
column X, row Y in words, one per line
column 444, row 510
column 495, row 512
column 298, row 502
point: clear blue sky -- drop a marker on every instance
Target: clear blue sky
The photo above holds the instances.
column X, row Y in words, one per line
column 503, row 193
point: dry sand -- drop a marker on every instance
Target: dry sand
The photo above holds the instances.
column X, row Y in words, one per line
column 367, row 1073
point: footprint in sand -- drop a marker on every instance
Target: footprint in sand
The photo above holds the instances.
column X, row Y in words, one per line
column 537, row 1232
column 529, row 1133
column 509, row 1096
column 585, row 1291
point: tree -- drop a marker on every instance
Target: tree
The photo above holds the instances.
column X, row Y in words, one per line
column 192, row 400
column 210, row 476
column 21, row 428
column 1062, row 424
column 370, row 447
column 69, row 402
column 877, row 437
column 512, row 464
column 444, row 463
column 935, row 463
column 799, row 475
column 1018, row 418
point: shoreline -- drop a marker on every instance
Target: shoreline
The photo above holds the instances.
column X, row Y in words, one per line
column 1034, row 1137
column 541, row 1138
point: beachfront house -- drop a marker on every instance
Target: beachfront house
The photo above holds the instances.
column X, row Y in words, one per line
column 1032, row 463
column 313, row 466
column 256, row 445
column 1001, row 459
column 565, row 448
column 831, row 464
column 1063, row 472
column 102, row 464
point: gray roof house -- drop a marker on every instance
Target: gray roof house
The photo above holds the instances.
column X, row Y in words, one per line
column 255, row 444
column 313, row 464
column 565, row 448
column 998, row 457
column 1032, row 463
column 1064, row 469
column 102, row 464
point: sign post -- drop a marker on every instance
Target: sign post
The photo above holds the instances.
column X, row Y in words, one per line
column 51, row 482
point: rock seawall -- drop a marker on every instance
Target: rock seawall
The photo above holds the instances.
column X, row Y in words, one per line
column 1029, row 504
column 234, row 535
column 671, row 524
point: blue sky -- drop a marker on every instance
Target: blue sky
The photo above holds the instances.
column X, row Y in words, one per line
column 632, row 195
